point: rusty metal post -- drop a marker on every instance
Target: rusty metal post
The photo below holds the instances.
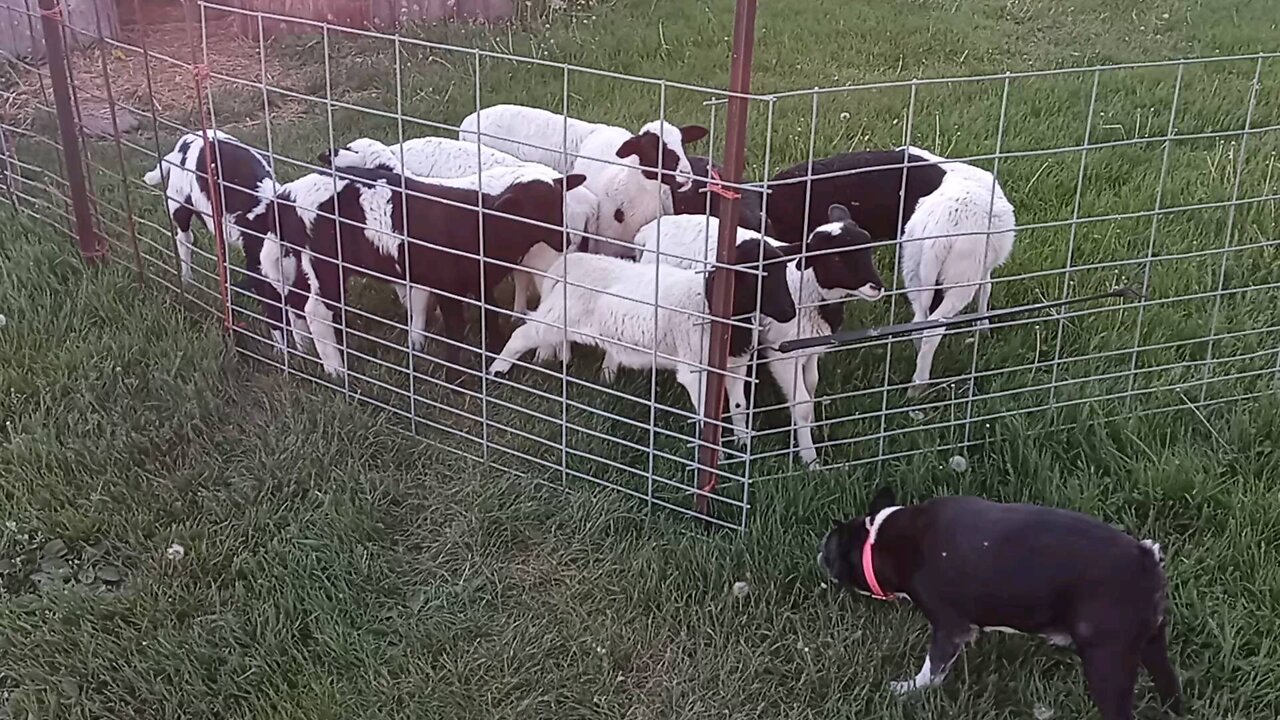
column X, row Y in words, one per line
column 212, row 160
column 721, row 301
column 92, row 249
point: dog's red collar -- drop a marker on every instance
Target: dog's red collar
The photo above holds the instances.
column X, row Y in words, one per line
column 868, row 566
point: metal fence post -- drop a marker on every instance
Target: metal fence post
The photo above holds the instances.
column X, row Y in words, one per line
column 744, row 26
column 92, row 248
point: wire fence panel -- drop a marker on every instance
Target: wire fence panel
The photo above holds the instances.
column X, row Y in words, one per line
column 1114, row 178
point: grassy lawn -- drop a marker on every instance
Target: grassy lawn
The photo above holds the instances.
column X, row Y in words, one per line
column 334, row 566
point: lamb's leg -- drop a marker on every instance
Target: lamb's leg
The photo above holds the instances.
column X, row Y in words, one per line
column 735, row 387
column 788, row 372
column 320, row 312
column 522, row 283
column 273, row 312
column 320, row 320
column 451, row 311
column 182, row 216
column 419, row 310
column 984, row 300
column 525, row 338
column 609, row 367
column 301, row 331
column 955, row 300
column 811, row 374
column 691, row 379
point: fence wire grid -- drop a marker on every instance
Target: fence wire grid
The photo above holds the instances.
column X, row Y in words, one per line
column 1116, row 181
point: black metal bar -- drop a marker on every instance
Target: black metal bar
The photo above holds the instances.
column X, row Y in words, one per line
column 854, row 337
column 721, row 300
column 91, row 246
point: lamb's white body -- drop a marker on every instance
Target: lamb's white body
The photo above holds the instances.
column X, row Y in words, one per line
column 627, row 199
column 178, row 172
column 497, row 172
column 608, row 303
column 429, row 157
column 956, row 237
column 530, row 133
column 689, row 241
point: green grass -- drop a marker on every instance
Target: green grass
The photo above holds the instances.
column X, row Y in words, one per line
column 336, row 567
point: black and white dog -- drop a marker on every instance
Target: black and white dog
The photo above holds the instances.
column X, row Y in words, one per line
column 973, row 565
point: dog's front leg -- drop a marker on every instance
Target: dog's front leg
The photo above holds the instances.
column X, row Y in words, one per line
column 944, row 647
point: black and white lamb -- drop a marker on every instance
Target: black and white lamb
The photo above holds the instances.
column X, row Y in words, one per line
column 631, row 174
column 247, row 186
column 385, row 225
column 954, row 225
column 837, row 264
column 440, row 160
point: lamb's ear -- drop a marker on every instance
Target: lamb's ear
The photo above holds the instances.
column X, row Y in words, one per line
column 883, row 498
column 630, row 147
column 838, row 213
column 692, row 133
column 569, row 182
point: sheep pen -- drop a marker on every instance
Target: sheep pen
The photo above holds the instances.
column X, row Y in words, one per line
column 1175, row 205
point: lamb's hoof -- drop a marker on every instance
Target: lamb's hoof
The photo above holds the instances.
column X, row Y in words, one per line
column 499, row 368
column 917, row 389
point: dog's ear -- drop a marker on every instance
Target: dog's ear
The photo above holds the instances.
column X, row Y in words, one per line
column 883, row 498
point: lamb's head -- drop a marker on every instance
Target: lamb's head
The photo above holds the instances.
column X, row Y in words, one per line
column 659, row 147
column 537, row 210
column 840, row 255
column 761, row 273
column 362, row 153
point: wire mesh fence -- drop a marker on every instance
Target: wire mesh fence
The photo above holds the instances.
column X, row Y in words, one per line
column 1116, row 180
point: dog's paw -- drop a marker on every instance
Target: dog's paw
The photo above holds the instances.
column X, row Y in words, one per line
column 902, row 687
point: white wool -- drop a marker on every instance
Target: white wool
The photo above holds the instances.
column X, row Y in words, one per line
column 608, row 303
column 956, row 237
column 428, row 157
column 375, row 201
column 571, row 145
column 309, row 192
column 529, row 133
column 685, row 240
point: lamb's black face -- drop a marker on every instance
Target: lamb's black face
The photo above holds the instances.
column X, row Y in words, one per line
column 652, row 153
column 842, row 259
